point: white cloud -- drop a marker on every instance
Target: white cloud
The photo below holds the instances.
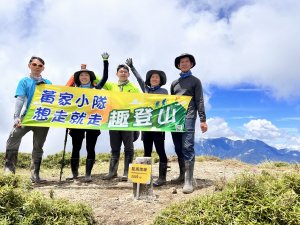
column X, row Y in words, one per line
column 289, row 119
column 294, row 143
column 290, row 142
column 218, row 127
column 261, row 129
column 256, row 43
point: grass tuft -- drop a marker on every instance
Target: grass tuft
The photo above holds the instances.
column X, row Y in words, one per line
column 20, row 205
column 250, row 199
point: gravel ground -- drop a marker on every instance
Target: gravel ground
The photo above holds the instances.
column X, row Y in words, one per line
column 113, row 201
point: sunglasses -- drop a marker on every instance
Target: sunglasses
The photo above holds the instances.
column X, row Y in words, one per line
column 39, row 65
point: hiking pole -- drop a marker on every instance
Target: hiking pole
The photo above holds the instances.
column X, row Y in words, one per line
column 63, row 156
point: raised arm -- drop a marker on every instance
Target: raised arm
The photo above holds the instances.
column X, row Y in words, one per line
column 104, row 78
column 136, row 74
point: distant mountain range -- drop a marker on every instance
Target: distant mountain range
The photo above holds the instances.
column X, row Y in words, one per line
column 249, row 151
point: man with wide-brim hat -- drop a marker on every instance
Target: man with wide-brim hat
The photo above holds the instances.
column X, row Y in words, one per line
column 188, row 85
column 192, row 59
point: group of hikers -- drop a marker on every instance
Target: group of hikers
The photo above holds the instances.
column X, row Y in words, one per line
column 186, row 84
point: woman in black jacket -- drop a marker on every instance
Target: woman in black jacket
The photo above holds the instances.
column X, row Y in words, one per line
column 85, row 79
column 154, row 80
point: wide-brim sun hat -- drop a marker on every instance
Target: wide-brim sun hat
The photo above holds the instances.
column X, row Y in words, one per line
column 162, row 75
column 76, row 76
column 191, row 57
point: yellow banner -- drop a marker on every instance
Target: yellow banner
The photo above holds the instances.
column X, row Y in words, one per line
column 72, row 107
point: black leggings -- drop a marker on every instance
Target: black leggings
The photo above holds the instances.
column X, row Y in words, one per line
column 77, row 139
column 158, row 139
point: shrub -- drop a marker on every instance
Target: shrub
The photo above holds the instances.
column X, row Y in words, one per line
column 54, row 161
column 15, row 182
column 250, row 199
column 271, row 164
column 24, row 159
column 103, row 157
column 140, row 153
column 20, row 205
column 207, row 158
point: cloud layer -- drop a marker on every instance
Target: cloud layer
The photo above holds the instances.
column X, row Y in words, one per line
column 234, row 42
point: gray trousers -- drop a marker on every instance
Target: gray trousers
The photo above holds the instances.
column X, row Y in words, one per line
column 117, row 138
column 39, row 138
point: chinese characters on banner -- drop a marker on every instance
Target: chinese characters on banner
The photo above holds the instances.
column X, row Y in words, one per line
column 71, row 107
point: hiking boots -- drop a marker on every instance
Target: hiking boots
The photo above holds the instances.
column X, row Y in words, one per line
column 113, row 169
column 188, row 180
column 88, row 169
column 35, row 171
column 180, row 179
column 162, row 175
column 10, row 162
column 127, row 160
column 74, row 168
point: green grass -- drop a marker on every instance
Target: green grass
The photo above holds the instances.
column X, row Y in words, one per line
column 20, row 205
column 249, row 199
column 271, row 164
column 259, row 197
column 207, row 158
column 54, row 161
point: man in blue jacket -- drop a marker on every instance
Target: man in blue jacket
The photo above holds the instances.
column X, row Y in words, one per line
column 24, row 94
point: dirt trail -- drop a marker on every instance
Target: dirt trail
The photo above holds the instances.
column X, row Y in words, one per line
column 113, row 202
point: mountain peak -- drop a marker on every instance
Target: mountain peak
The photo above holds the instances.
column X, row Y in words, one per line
column 249, row 150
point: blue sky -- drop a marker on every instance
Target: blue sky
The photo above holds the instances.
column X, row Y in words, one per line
column 247, row 54
column 251, row 112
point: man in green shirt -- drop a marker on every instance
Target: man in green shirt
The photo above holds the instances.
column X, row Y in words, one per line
column 118, row 136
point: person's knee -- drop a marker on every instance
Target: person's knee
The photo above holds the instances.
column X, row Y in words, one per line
column 115, row 152
column 37, row 154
